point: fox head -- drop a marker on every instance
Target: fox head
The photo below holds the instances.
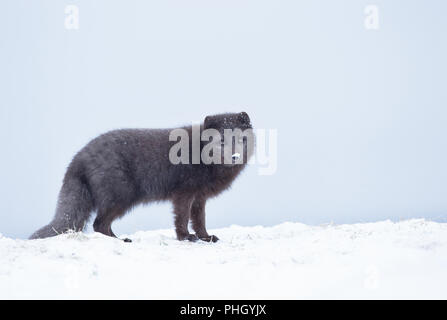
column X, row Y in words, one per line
column 228, row 139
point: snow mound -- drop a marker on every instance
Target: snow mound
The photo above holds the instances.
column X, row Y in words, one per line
column 407, row 259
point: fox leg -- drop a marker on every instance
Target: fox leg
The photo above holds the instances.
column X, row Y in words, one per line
column 104, row 219
column 182, row 211
column 198, row 220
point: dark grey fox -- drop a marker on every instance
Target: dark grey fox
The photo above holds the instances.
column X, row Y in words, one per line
column 123, row 168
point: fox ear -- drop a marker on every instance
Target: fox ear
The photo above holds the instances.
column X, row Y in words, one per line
column 243, row 116
column 209, row 122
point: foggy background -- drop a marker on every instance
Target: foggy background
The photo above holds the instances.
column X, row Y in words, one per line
column 361, row 114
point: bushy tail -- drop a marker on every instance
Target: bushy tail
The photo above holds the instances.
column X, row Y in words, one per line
column 74, row 207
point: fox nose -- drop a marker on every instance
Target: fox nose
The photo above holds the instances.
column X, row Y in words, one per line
column 236, row 156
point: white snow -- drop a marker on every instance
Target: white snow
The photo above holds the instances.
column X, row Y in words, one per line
column 407, row 259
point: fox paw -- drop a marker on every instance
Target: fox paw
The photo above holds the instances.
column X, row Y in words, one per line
column 189, row 237
column 211, row 238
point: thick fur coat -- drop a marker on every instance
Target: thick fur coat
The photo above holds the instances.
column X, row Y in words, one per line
column 124, row 168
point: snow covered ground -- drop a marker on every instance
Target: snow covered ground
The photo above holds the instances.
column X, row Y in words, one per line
column 407, row 259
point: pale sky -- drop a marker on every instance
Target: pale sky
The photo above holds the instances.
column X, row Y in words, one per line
column 360, row 114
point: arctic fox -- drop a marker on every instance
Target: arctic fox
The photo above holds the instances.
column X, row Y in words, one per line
column 123, row 168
